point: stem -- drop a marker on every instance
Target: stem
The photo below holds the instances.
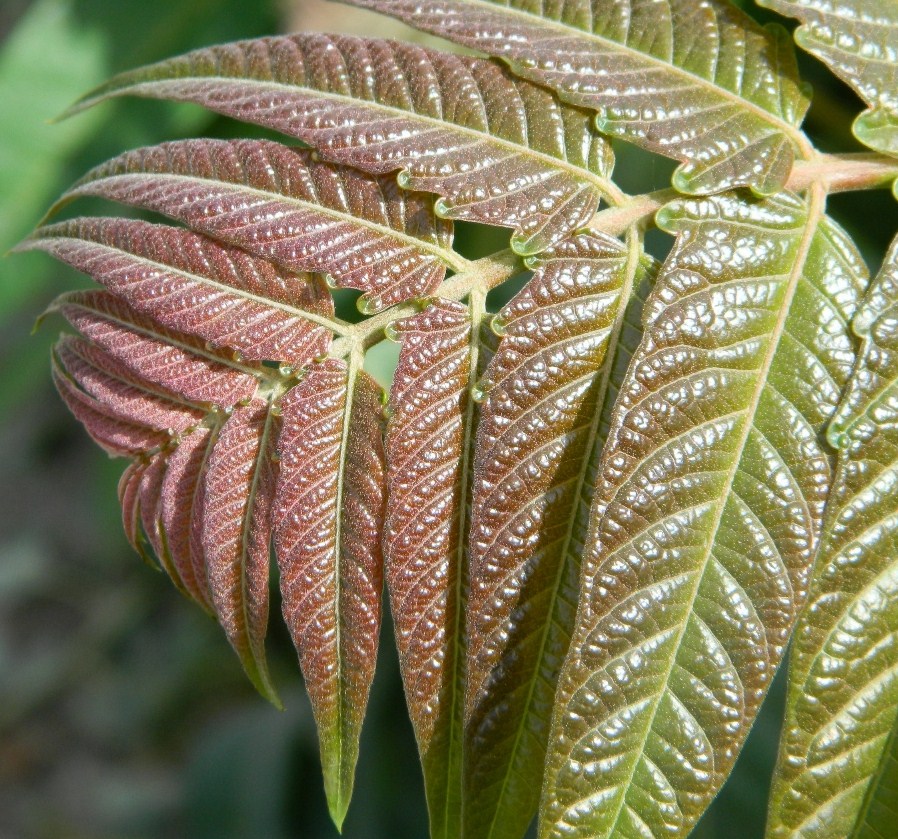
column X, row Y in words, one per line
column 481, row 275
column 835, row 172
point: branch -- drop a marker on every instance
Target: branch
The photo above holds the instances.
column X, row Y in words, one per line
column 835, row 172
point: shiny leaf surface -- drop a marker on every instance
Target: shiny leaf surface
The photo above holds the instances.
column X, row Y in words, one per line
column 328, row 516
column 709, row 505
column 499, row 150
column 429, row 451
column 695, row 80
column 236, row 532
column 284, row 205
column 836, row 776
column 186, row 282
column 537, row 447
column 858, row 41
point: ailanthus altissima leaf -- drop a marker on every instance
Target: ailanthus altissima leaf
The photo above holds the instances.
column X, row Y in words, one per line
column 284, row 205
column 429, row 463
column 188, row 283
column 709, row 504
column 499, row 150
column 836, row 777
column 537, row 447
column 695, row 80
column 328, row 516
column 858, row 41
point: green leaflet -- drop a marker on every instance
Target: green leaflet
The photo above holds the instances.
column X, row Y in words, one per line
column 695, row 80
column 709, row 507
column 838, row 767
column 858, row 41
column 538, row 444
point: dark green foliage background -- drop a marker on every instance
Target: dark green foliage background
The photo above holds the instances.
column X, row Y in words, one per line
column 123, row 712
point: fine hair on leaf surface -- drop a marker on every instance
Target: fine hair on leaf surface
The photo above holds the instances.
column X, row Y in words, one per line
column 598, row 511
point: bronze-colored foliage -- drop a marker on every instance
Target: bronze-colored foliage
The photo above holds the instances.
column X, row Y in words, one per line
column 599, row 508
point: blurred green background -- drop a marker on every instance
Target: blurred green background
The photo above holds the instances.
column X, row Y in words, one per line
column 123, row 712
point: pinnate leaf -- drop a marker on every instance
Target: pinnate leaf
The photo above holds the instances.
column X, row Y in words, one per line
column 858, row 41
column 709, row 507
column 328, row 516
column 695, row 80
column 429, row 463
column 284, row 205
column 537, row 447
column 837, row 767
column 188, row 283
column 499, row 150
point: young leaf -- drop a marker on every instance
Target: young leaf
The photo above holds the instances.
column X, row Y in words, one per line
column 695, row 80
column 176, row 361
column 838, row 753
column 329, row 509
column 429, row 463
column 498, row 149
column 281, row 204
column 708, row 513
column 537, row 447
column 117, row 435
column 122, row 393
column 236, row 532
column 129, row 499
column 188, row 283
column 858, row 41
column 180, row 513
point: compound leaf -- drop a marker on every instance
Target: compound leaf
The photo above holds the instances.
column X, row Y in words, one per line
column 285, row 205
column 537, row 447
column 858, row 41
column 499, row 150
column 838, row 764
column 696, row 80
column 709, row 504
column 328, row 517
